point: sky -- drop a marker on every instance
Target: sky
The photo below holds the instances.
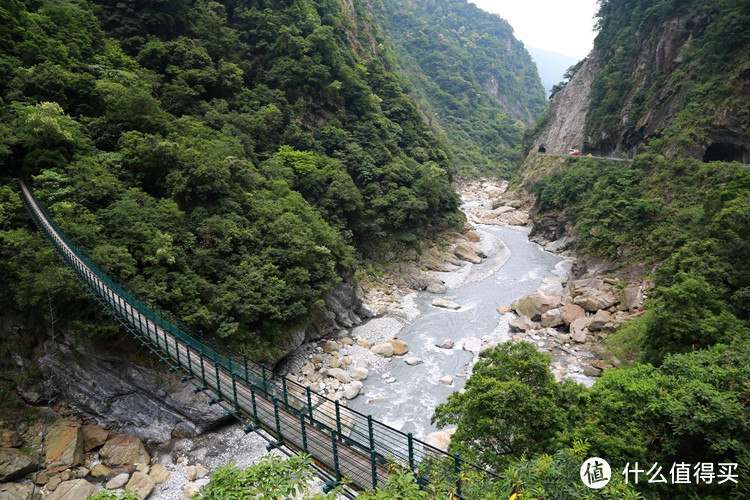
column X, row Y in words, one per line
column 562, row 26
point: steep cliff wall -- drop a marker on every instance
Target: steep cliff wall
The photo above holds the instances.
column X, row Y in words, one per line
column 567, row 114
column 664, row 77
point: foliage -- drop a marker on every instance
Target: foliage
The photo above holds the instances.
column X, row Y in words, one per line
column 225, row 158
column 691, row 409
column 273, row 477
column 647, row 211
column 509, row 408
column 476, row 82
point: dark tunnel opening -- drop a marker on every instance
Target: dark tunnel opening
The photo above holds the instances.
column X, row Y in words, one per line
column 722, row 151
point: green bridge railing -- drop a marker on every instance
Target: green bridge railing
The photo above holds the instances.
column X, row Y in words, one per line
column 342, row 441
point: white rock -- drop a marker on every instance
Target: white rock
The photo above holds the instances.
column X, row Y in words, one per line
column 447, row 380
column 339, row 375
column 441, row 439
column 353, row 390
column 472, row 345
column 413, row 361
column 446, row 344
column 118, row 481
column 359, row 373
column 445, row 304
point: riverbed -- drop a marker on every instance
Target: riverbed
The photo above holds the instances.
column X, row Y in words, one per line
column 405, row 396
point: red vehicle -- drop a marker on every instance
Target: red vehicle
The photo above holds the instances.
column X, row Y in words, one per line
column 573, row 152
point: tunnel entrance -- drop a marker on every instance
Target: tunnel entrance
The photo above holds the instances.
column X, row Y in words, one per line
column 722, row 151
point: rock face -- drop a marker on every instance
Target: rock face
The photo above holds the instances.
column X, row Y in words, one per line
column 14, row 464
column 568, row 112
column 154, row 405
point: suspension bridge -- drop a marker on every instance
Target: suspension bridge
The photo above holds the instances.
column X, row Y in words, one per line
column 347, row 447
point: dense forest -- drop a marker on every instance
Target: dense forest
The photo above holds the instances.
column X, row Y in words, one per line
column 475, row 81
column 229, row 160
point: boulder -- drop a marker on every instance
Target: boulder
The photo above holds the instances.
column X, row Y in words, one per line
column 504, row 309
column 413, row 361
column 191, row 491
column 359, row 373
column 472, row 345
column 10, row 438
column 445, row 304
column 553, row 317
column 592, row 371
column 447, row 380
column 118, row 481
column 123, row 450
column 468, row 252
column 436, row 286
column 535, row 304
column 593, row 294
column 141, row 484
column 64, row 445
column 16, row 491
column 353, row 390
column 522, row 324
column 93, row 437
column 579, row 329
column 441, row 439
column 631, row 299
column 335, row 363
column 399, row 347
column 14, row 464
column 75, row 489
column 339, row 375
column 572, row 312
column 385, row 349
column 100, row 470
column 159, row 474
column 599, row 319
column 331, row 346
column 363, row 343
column 595, row 300
column 445, row 344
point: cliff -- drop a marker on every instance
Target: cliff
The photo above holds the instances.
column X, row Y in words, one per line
column 663, row 77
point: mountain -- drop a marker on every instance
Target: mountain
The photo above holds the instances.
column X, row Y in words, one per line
column 670, row 77
column 227, row 159
column 551, row 65
column 475, row 82
column 665, row 92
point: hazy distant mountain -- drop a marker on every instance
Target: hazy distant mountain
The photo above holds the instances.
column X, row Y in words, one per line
column 551, row 65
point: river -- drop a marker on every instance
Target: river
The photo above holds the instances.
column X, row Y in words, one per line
column 408, row 402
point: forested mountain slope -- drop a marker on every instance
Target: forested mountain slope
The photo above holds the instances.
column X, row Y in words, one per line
column 226, row 158
column 476, row 82
column 667, row 84
column 670, row 75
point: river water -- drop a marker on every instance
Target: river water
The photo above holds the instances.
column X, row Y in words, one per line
column 408, row 402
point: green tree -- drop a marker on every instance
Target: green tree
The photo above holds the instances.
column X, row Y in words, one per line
column 510, row 407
